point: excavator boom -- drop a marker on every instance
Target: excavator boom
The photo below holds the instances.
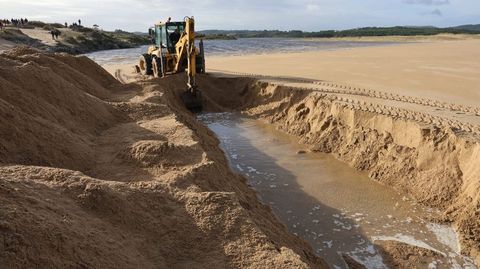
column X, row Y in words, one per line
column 192, row 96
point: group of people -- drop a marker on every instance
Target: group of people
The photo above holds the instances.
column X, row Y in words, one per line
column 14, row 22
column 75, row 24
column 55, row 33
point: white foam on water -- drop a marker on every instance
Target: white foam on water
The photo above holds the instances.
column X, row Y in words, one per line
column 445, row 235
column 368, row 257
column 407, row 239
column 239, row 168
column 432, row 265
column 251, row 169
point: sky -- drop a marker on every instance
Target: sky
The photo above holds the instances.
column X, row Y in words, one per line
column 306, row 15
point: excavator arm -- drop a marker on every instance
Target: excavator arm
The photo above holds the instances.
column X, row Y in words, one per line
column 186, row 50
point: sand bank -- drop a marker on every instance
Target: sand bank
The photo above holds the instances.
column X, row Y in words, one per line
column 97, row 174
column 436, row 164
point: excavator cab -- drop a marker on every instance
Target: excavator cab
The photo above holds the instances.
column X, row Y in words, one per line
column 174, row 51
column 167, row 35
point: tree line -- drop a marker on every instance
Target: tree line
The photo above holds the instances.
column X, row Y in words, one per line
column 366, row 31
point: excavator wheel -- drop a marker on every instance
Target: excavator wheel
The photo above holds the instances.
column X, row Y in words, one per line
column 145, row 64
column 192, row 100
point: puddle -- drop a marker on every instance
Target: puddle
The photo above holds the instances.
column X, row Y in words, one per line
column 329, row 204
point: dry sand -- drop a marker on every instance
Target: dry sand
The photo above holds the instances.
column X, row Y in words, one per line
column 43, row 35
column 445, row 71
column 96, row 174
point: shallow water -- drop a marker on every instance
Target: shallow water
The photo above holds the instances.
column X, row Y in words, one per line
column 238, row 47
column 332, row 206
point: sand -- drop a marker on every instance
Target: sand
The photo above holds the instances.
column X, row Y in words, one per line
column 5, row 45
column 418, row 38
column 434, row 163
column 98, row 174
column 42, row 35
column 444, row 71
column 93, row 168
column 406, row 114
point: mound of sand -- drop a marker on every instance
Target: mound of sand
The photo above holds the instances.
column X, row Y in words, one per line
column 96, row 174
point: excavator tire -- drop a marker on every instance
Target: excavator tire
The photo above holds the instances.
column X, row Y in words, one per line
column 145, row 64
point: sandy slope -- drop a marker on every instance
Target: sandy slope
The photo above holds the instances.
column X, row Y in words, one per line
column 5, row 45
column 96, row 174
column 41, row 34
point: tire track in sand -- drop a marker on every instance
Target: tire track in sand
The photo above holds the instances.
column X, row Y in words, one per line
column 332, row 91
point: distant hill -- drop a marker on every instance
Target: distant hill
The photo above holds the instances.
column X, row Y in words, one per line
column 358, row 32
column 73, row 39
column 470, row 27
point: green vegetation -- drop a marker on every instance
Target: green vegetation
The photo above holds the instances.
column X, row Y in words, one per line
column 367, row 31
column 216, row 37
column 86, row 39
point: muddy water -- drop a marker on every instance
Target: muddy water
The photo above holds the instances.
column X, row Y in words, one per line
column 333, row 207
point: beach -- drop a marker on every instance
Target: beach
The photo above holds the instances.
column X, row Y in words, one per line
column 414, row 105
column 446, row 71
column 98, row 156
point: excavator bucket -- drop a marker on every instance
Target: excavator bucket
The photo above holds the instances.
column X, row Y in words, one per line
column 192, row 100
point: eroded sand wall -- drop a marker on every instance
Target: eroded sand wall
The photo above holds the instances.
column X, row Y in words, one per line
column 438, row 166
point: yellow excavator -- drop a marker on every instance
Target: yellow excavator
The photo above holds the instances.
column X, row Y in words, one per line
column 174, row 51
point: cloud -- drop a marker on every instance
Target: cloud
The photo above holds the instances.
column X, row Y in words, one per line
column 313, row 7
column 436, row 12
column 427, row 2
column 309, row 15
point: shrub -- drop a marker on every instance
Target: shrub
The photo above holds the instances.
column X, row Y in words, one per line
column 36, row 23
